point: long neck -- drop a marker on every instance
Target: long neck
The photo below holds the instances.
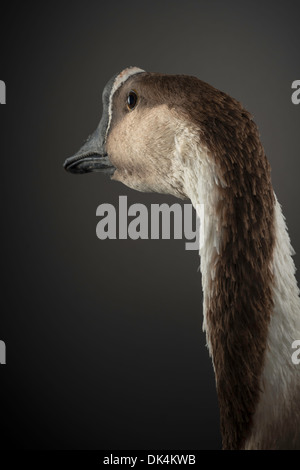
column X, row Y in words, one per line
column 277, row 417
column 240, row 271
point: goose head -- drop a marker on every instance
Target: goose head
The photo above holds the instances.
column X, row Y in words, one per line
column 149, row 123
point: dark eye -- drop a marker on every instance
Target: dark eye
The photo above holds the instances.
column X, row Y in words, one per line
column 132, row 100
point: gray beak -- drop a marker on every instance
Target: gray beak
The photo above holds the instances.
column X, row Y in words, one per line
column 92, row 157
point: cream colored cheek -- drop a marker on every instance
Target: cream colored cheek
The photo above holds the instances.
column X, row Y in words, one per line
column 115, row 142
column 120, row 147
column 142, row 144
column 137, row 135
column 132, row 181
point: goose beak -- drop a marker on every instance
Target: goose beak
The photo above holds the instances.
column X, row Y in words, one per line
column 92, row 162
column 92, row 157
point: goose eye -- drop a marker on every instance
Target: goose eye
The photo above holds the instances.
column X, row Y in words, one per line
column 132, row 100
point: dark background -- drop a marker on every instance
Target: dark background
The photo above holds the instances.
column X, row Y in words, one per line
column 105, row 348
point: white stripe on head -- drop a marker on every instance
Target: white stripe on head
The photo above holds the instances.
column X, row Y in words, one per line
column 120, row 79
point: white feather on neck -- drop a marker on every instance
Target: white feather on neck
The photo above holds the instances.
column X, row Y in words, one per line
column 277, row 418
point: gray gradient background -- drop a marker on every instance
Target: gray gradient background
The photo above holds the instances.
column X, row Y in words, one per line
column 105, row 348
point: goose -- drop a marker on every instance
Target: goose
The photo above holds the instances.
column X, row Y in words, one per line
column 177, row 135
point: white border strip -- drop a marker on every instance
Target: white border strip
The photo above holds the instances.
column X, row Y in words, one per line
column 120, row 79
